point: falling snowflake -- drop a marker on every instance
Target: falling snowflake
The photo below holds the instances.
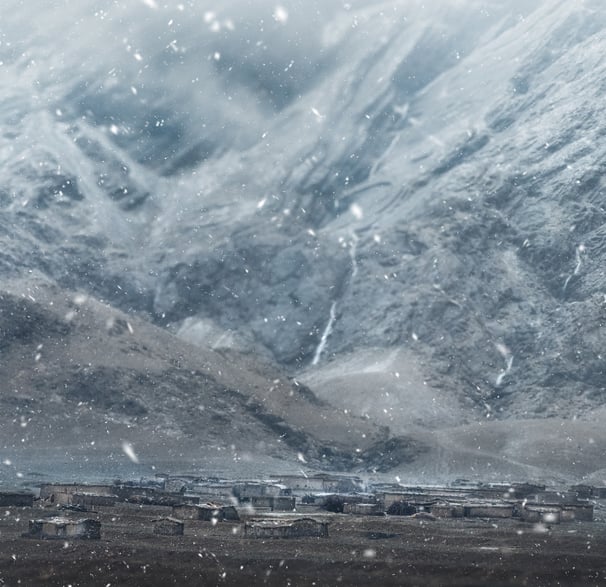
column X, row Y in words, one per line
column 129, row 451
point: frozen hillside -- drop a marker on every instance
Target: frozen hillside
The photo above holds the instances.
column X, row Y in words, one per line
column 400, row 203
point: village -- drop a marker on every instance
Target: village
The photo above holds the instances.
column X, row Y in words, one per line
column 293, row 526
column 289, row 506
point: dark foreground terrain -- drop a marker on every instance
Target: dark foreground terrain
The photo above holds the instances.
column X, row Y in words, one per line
column 359, row 551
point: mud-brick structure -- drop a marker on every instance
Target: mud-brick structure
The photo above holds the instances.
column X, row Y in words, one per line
column 275, row 503
column 89, row 500
column 62, row 493
column 246, row 490
column 65, row 529
column 541, row 514
column 168, row 527
column 417, row 500
column 589, row 491
column 579, row 512
column 206, row 512
column 404, row 508
column 283, row 503
column 488, row 510
column 583, row 491
column 230, row 513
column 19, row 499
column 363, row 509
column 262, row 502
column 322, row 482
column 447, row 510
column 301, row 528
column 571, row 507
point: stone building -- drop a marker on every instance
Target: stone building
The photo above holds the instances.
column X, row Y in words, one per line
column 64, row 528
column 206, row 512
column 301, row 528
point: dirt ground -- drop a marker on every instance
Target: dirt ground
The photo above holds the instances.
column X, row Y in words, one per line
column 358, row 551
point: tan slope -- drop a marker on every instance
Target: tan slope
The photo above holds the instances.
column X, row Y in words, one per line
column 76, row 372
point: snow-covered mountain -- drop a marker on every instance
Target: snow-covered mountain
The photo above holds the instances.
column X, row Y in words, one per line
column 400, row 203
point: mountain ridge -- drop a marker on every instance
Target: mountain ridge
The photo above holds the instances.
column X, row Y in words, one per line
column 395, row 201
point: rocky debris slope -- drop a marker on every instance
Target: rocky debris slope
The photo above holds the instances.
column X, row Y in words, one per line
column 82, row 376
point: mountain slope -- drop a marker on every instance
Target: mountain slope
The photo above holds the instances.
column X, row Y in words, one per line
column 82, row 379
column 400, row 204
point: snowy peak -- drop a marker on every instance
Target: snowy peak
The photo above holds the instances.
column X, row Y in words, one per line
column 318, row 184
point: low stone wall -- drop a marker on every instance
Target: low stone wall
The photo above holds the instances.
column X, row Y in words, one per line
column 302, row 528
column 168, row 527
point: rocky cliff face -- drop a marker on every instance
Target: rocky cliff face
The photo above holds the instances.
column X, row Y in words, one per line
column 400, row 203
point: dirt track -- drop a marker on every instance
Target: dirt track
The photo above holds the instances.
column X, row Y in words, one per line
column 359, row 551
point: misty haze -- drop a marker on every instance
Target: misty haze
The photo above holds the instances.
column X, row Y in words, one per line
column 245, row 240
